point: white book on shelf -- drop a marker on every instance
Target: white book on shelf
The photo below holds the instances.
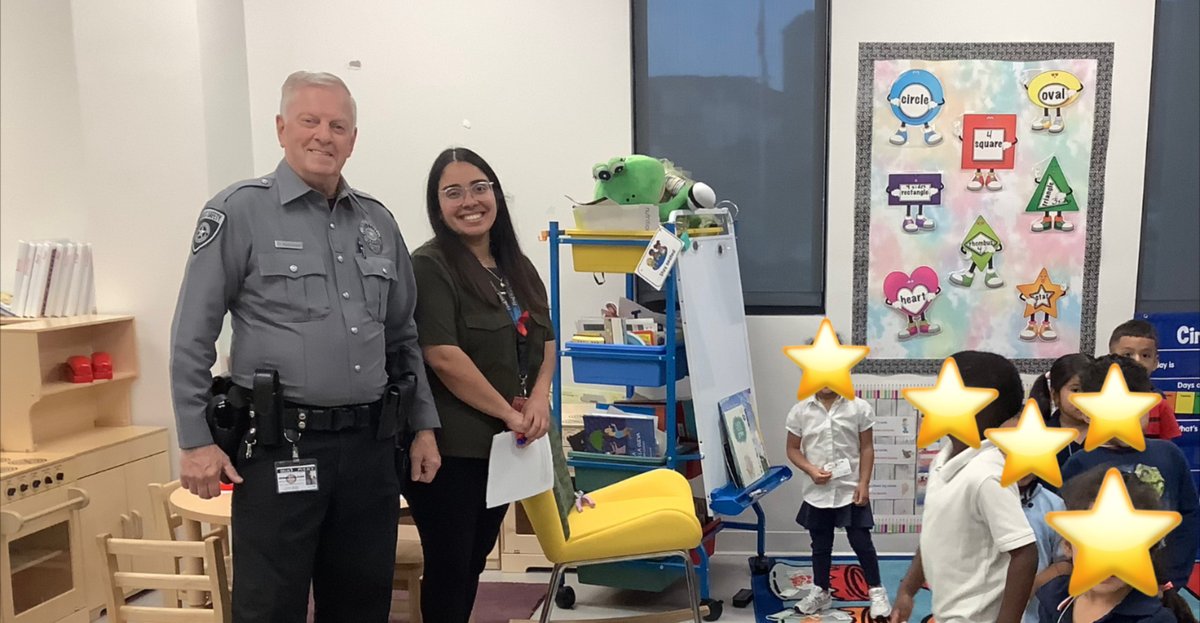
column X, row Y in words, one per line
column 71, row 300
column 87, row 301
column 69, row 275
column 57, row 281
column 81, row 285
column 21, row 281
column 37, row 284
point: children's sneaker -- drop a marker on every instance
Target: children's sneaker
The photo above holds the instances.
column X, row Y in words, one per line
column 992, row 181
column 991, row 279
column 931, row 136
column 1043, row 225
column 907, row 332
column 880, row 606
column 1061, row 224
column 1048, row 334
column 962, row 278
column 1058, row 124
column 899, row 138
column 910, row 226
column 816, row 600
column 1030, row 332
column 926, row 224
column 976, row 182
column 928, row 328
column 1041, row 124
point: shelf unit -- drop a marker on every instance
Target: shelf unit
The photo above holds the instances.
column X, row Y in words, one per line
column 38, row 403
column 706, row 272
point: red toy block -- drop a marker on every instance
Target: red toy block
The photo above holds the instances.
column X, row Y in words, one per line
column 79, row 369
column 102, row 366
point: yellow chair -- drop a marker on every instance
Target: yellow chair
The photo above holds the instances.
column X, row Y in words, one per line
column 650, row 515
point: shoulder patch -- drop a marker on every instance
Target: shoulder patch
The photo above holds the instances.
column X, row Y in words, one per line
column 207, row 229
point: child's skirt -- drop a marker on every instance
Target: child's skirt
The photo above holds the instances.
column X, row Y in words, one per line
column 848, row 516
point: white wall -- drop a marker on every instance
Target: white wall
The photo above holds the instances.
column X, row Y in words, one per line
column 40, row 130
column 1129, row 24
column 544, row 86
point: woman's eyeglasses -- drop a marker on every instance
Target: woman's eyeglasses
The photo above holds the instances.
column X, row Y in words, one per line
column 458, row 193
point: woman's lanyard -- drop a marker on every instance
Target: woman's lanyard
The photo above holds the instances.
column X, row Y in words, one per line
column 520, row 319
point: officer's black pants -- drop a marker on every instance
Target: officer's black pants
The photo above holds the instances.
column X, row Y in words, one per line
column 457, row 533
column 341, row 538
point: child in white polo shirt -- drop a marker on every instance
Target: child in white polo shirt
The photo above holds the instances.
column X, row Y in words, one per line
column 830, row 439
column 977, row 550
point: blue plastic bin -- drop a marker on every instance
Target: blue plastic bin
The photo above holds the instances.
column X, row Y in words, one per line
column 619, row 364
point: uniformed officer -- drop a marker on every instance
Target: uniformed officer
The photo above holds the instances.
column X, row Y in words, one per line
column 320, row 287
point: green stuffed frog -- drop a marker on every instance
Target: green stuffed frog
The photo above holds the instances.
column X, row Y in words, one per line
column 637, row 179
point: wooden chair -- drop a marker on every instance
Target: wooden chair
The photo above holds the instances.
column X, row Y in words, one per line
column 168, row 523
column 410, row 564
column 215, row 582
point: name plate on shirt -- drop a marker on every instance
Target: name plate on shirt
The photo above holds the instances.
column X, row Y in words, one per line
column 838, row 468
column 294, row 245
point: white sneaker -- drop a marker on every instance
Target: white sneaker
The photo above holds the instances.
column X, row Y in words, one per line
column 880, row 606
column 815, row 601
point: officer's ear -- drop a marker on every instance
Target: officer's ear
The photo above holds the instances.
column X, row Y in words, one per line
column 279, row 129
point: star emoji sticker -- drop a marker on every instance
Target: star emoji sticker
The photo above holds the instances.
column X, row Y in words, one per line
column 1112, row 538
column 949, row 407
column 1031, row 448
column 1042, row 295
column 826, row 363
column 1115, row 412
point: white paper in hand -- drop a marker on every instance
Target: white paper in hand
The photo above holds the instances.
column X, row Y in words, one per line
column 518, row 472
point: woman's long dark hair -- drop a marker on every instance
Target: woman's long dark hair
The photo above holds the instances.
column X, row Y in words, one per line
column 513, row 264
column 1061, row 372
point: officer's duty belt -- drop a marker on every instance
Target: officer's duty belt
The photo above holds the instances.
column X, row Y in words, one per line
column 306, row 418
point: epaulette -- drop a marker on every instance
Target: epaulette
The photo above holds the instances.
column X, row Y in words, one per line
column 256, row 182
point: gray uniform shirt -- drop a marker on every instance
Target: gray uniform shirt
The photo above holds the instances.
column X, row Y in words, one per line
column 320, row 295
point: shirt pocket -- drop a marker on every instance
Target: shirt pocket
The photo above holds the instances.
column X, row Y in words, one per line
column 378, row 273
column 297, row 283
column 491, row 344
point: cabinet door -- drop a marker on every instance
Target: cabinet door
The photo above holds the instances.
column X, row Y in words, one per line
column 103, row 514
column 139, row 474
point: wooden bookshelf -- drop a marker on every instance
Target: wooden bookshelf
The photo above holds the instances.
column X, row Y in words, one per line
column 37, row 403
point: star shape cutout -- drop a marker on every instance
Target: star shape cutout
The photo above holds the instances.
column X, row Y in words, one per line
column 826, row 363
column 1031, row 448
column 1115, row 412
column 1112, row 538
column 1042, row 295
column 949, row 407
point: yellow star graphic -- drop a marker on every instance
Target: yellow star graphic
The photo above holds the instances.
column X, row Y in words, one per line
column 1115, row 412
column 1031, row 448
column 826, row 363
column 949, row 407
column 1112, row 538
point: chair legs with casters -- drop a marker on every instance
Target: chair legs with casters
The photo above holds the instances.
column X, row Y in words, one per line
column 556, row 579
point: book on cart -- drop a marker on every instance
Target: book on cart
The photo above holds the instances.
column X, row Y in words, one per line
column 621, row 434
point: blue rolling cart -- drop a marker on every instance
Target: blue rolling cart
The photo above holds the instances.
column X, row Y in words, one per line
column 656, row 366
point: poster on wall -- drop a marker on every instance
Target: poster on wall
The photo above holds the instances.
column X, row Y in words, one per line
column 1178, row 376
column 979, row 186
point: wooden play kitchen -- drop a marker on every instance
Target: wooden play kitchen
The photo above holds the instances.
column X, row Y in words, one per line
column 71, row 464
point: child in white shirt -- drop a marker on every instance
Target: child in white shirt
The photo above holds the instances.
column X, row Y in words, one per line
column 830, row 439
column 977, row 550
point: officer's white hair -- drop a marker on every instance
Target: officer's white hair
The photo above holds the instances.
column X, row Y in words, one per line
column 301, row 79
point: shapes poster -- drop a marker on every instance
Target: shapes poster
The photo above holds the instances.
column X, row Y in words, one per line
column 977, row 165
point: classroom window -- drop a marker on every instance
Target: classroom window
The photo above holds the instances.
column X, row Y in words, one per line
column 735, row 93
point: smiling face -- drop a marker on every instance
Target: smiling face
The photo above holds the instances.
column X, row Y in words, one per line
column 470, row 210
column 317, row 134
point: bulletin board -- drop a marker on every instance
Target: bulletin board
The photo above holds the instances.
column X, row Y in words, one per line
column 979, row 195
column 901, row 469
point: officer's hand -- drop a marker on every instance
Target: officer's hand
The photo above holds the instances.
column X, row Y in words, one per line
column 200, row 470
column 516, row 421
column 424, row 456
column 537, row 414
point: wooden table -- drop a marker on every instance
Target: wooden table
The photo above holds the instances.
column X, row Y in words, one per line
column 195, row 511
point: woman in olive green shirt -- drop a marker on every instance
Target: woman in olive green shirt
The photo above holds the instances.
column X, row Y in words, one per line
column 482, row 318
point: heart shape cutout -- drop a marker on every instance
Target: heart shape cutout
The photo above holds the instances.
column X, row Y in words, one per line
column 913, row 292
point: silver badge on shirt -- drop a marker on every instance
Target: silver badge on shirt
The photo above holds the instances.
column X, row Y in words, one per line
column 371, row 237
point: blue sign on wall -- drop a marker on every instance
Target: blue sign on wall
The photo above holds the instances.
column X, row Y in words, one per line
column 1178, row 375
